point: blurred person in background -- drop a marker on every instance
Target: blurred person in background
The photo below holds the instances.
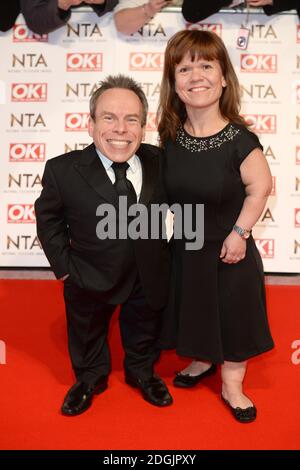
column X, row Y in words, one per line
column 271, row 7
column 197, row 11
column 9, row 13
column 45, row 16
column 131, row 15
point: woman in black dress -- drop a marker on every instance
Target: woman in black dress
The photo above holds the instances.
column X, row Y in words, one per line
column 216, row 312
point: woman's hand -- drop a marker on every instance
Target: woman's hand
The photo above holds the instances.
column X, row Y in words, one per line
column 233, row 249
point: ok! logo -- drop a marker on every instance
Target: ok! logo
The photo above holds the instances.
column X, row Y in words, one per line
column 27, row 152
column 214, row 27
column 21, row 33
column 262, row 123
column 146, row 61
column 20, row 214
column 259, row 63
column 266, row 247
column 84, row 62
column 29, row 92
column 76, row 122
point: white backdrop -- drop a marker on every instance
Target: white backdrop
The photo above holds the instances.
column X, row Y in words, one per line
column 44, row 91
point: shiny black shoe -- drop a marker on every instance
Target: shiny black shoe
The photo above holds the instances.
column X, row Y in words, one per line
column 79, row 397
column 188, row 381
column 243, row 415
column 154, row 390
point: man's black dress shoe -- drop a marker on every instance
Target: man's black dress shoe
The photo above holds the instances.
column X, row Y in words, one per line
column 243, row 415
column 79, row 397
column 153, row 389
column 188, row 381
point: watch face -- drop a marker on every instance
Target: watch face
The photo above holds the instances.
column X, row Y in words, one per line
column 246, row 235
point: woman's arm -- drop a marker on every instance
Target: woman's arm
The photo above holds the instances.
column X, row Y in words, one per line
column 256, row 176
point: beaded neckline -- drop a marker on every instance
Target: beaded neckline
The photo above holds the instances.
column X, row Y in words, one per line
column 202, row 144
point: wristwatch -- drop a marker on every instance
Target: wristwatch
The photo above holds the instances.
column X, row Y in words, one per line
column 244, row 233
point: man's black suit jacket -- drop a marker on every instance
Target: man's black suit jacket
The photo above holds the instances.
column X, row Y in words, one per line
column 74, row 185
column 197, row 11
column 44, row 16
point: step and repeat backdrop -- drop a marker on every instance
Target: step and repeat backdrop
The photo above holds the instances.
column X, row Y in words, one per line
column 46, row 81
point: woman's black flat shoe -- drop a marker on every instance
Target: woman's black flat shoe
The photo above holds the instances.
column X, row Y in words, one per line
column 243, row 415
column 188, row 381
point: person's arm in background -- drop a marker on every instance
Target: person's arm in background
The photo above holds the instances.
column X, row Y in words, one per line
column 9, row 14
column 131, row 15
column 101, row 7
column 271, row 7
column 44, row 16
column 197, row 11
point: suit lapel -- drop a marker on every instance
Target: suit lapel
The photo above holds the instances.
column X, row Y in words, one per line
column 150, row 169
column 91, row 169
column 89, row 166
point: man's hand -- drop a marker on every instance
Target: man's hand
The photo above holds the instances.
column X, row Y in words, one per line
column 154, row 6
column 66, row 4
column 259, row 3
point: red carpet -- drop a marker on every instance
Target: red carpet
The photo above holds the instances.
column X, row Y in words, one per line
column 37, row 375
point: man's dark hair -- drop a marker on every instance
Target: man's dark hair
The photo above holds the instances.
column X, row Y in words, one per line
column 124, row 82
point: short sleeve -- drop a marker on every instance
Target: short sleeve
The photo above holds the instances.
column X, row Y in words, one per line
column 245, row 143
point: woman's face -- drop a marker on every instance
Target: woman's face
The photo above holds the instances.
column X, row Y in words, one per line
column 199, row 83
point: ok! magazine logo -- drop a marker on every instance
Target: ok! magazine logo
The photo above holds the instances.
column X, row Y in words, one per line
column 266, row 247
column 27, row 152
column 146, row 61
column 20, row 214
column 76, row 122
column 21, row 33
column 29, row 92
column 84, row 62
column 262, row 123
column 214, row 27
column 259, row 63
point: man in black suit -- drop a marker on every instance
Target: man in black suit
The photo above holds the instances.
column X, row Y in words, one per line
column 45, row 16
column 271, row 7
column 197, row 11
column 9, row 14
column 100, row 273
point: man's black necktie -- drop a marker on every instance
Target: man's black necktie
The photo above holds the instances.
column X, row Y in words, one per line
column 123, row 186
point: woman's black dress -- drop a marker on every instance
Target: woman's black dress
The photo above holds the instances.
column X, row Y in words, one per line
column 216, row 311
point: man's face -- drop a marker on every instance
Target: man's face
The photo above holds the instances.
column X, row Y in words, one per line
column 117, row 130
